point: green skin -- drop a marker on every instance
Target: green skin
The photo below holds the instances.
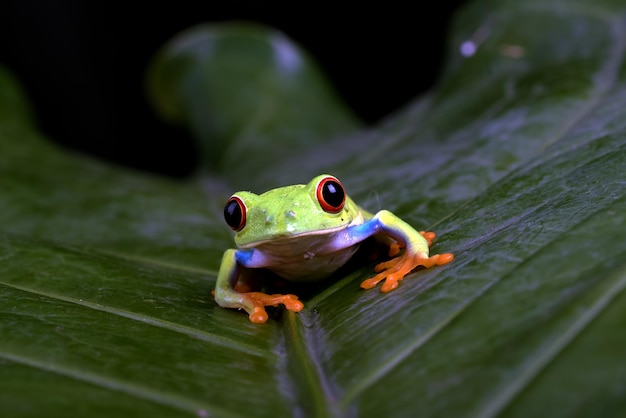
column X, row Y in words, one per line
column 288, row 232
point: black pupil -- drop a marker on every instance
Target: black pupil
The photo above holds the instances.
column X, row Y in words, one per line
column 232, row 214
column 333, row 193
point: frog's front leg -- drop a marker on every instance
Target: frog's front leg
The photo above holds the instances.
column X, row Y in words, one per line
column 415, row 246
column 253, row 303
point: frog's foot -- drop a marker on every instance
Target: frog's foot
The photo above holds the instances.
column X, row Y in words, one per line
column 394, row 270
column 259, row 301
column 428, row 236
column 394, row 249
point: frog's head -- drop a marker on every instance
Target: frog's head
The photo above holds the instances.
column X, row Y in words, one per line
column 319, row 207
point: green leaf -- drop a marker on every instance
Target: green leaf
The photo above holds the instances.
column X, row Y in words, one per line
column 14, row 108
column 516, row 160
column 241, row 88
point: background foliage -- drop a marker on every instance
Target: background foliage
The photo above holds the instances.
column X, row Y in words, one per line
column 516, row 159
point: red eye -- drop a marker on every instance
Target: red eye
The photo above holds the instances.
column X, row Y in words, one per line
column 235, row 213
column 331, row 194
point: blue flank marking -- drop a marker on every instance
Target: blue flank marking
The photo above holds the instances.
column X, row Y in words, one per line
column 361, row 232
column 243, row 257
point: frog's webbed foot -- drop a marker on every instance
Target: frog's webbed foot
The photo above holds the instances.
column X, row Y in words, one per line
column 257, row 301
column 394, row 270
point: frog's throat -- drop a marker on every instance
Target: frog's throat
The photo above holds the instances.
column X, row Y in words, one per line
column 358, row 220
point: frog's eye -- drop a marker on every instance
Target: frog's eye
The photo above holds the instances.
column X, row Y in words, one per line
column 235, row 213
column 331, row 194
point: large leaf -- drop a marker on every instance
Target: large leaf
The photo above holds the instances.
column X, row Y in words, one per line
column 517, row 160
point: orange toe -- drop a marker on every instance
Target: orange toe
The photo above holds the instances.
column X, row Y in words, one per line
column 394, row 249
column 429, row 236
column 259, row 316
column 291, row 302
column 445, row 258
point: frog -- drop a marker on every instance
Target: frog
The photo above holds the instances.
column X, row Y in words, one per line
column 305, row 233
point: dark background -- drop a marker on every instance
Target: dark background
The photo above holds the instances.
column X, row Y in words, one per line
column 82, row 64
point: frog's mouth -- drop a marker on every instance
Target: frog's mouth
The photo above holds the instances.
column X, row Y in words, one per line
column 288, row 239
column 303, row 240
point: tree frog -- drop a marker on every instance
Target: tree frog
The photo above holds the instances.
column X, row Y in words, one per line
column 305, row 232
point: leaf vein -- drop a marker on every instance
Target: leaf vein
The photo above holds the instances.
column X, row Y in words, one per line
column 369, row 379
column 144, row 319
column 142, row 392
column 499, row 401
